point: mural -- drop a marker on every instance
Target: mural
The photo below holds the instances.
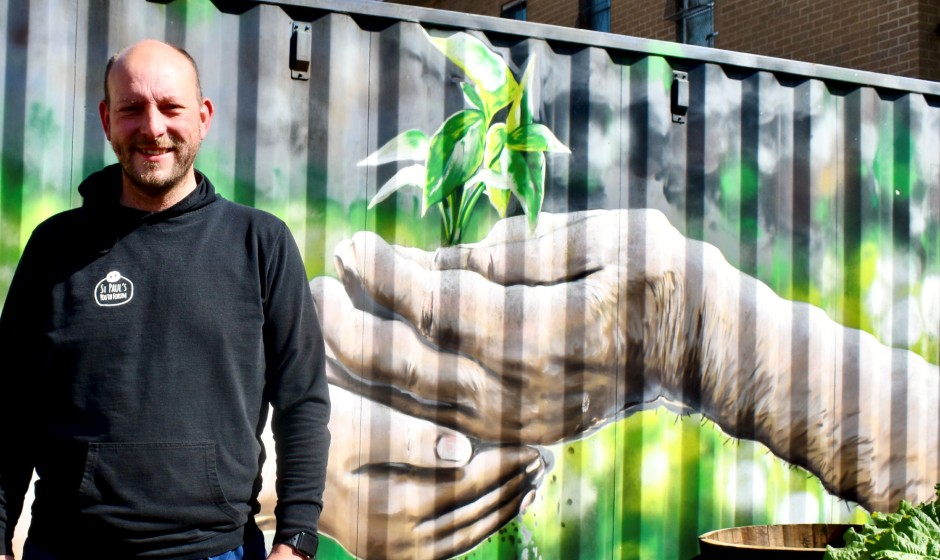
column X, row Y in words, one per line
column 560, row 323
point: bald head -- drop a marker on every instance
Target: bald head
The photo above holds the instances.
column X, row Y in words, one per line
column 156, row 50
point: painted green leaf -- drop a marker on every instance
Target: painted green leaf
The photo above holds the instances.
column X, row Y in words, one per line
column 527, row 181
column 484, row 67
column 496, row 160
column 535, row 137
column 472, row 93
column 411, row 145
column 495, row 145
column 525, row 102
column 411, row 176
column 455, row 154
column 496, row 187
column 499, row 199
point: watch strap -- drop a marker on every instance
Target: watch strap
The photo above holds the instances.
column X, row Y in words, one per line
column 305, row 543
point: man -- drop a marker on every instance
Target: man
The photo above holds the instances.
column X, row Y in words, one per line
column 157, row 323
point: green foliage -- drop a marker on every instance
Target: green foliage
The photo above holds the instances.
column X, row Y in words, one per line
column 910, row 534
column 471, row 156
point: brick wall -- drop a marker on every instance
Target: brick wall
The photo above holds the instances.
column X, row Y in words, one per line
column 897, row 37
column 477, row 7
column 928, row 33
column 875, row 35
column 553, row 12
column 643, row 18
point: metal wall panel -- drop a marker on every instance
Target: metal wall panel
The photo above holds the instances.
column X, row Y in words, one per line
column 819, row 184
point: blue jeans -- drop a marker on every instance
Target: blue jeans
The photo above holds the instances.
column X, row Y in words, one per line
column 253, row 549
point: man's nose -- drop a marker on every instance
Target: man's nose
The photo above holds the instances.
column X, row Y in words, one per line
column 153, row 123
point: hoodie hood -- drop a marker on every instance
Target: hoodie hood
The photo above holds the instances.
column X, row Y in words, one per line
column 101, row 192
column 109, row 221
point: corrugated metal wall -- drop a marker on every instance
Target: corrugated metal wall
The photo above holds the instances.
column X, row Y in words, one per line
column 824, row 184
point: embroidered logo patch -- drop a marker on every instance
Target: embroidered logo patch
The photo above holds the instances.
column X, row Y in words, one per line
column 114, row 290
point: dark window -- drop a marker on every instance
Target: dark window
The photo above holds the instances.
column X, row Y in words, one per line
column 595, row 15
column 695, row 22
column 514, row 10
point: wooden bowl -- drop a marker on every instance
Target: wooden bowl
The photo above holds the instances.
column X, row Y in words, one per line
column 766, row 542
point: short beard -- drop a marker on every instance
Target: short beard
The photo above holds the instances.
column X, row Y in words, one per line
column 148, row 180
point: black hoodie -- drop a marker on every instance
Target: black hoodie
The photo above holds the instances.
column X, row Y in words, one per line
column 151, row 345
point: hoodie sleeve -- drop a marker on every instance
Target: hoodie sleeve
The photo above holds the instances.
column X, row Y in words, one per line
column 18, row 344
column 298, row 390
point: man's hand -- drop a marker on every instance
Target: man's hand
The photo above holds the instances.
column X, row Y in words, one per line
column 285, row 552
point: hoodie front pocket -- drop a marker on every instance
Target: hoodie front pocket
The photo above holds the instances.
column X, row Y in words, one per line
column 156, row 487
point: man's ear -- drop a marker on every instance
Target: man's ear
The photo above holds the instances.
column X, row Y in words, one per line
column 206, row 110
column 105, row 121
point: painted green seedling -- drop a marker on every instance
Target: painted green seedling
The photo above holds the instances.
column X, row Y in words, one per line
column 471, row 155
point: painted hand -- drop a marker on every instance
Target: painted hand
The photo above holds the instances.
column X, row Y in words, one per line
column 401, row 487
column 519, row 338
column 537, row 337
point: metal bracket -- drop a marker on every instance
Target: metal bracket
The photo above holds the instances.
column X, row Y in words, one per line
column 301, row 46
column 680, row 96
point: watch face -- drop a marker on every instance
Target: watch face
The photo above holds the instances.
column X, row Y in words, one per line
column 305, row 543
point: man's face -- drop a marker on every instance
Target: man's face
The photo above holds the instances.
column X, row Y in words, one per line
column 155, row 118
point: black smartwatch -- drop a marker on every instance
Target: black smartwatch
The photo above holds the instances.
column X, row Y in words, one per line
column 306, row 543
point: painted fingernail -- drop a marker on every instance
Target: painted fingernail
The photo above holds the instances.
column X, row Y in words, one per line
column 454, row 448
column 340, row 269
column 527, row 500
column 534, row 465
